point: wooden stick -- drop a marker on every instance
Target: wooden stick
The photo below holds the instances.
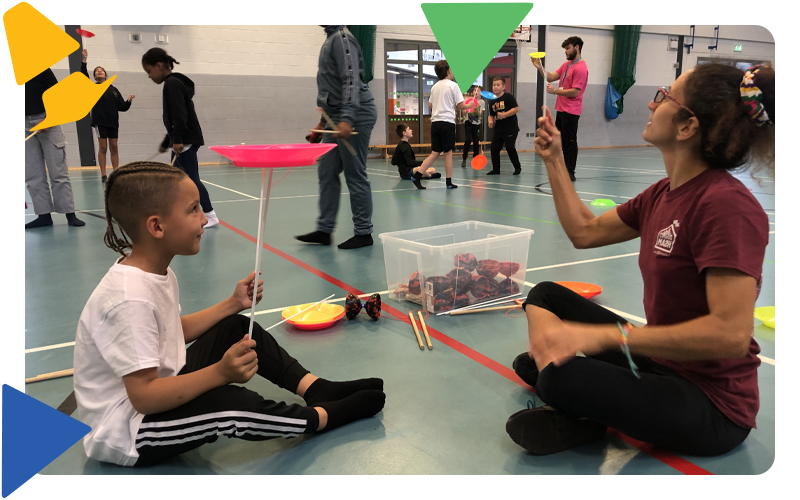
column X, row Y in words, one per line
column 333, row 126
column 470, row 311
column 331, row 132
column 414, row 324
column 425, row 329
column 152, row 157
column 172, row 163
column 50, row 376
column 34, row 133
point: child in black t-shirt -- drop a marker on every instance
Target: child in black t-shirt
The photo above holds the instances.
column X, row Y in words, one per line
column 406, row 162
column 503, row 119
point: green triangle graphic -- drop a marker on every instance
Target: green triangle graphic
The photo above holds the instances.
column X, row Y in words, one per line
column 467, row 41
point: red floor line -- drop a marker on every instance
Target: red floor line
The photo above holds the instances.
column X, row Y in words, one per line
column 680, row 464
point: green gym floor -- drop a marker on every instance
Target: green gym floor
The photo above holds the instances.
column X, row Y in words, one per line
column 446, row 408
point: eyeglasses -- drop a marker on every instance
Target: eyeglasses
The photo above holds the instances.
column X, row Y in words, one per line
column 661, row 93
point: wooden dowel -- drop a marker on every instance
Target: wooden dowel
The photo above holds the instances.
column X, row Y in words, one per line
column 331, row 132
column 414, row 324
column 471, row 311
column 333, row 126
column 34, row 133
column 425, row 329
column 50, row 376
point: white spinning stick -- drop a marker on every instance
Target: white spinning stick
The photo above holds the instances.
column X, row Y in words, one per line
column 262, row 219
column 304, row 310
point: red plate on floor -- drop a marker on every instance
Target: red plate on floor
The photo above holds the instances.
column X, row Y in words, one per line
column 585, row 290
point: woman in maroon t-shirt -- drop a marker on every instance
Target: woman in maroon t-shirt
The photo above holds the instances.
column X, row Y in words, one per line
column 687, row 380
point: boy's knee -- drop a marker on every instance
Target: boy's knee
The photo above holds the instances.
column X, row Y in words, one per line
column 235, row 323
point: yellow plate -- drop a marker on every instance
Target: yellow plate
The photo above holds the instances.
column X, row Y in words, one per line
column 317, row 318
column 537, row 55
column 766, row 315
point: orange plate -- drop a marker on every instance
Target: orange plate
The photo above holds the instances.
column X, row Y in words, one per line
column 585, row 290
column 316, row 318
column 478, row 162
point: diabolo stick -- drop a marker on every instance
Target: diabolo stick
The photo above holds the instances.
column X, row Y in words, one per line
column 262, row 219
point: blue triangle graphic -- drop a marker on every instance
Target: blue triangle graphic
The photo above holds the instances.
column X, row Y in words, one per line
column 34, row 435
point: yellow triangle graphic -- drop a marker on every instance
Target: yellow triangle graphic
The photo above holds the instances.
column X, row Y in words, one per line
column 71, row 99
column 35, row 43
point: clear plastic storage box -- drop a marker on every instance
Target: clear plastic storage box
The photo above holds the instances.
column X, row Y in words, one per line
column 455, row 265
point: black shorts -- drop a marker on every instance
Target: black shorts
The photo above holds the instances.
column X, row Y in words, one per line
column 107, row 132
column 443, row 137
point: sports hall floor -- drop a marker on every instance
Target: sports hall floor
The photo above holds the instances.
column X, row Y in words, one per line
column 446, row 409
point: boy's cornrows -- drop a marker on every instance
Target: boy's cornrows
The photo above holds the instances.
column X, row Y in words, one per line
column 111, row 239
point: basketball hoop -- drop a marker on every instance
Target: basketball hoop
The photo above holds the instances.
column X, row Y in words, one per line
column 521, row 35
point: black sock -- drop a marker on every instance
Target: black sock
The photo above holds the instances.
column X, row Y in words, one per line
column 72, row 220
column 437, row 175
column 41, row 221
column 362, row 404
column 315, row 237
column 357, row 241
column 418, row 184
column 322, row 390
column 450, row 184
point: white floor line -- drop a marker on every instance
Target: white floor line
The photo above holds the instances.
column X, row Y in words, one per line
column 766, row 359
column 627, row 316
column 772, row 232
column 231, row 190
column 582, row 262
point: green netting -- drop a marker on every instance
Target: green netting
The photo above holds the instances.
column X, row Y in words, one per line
column 623, row 60
column 365, row 35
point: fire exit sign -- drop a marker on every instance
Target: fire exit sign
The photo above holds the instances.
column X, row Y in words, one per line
column 737, row 47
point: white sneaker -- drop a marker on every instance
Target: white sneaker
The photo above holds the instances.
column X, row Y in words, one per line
column 212, row 219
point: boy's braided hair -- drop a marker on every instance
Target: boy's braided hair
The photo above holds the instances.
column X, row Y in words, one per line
column 134, row 192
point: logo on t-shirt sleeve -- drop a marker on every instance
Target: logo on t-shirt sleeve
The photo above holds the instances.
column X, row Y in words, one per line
column 665, row 240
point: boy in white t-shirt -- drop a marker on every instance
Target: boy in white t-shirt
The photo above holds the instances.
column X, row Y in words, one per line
column 445, row 97
column 145, row 395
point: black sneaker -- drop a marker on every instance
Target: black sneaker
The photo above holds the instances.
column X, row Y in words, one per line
column 545, row 430
column 526, row 369
column 493, row 172
column 464, row 163
column 103, row 179
column 572, row 177
column 517, row 171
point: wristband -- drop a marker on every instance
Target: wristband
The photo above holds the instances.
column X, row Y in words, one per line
column 624, row 346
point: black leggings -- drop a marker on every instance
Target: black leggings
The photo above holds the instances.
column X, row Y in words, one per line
column 661, row 408
column 472, row 135
column 229, row 410
column 187, row 161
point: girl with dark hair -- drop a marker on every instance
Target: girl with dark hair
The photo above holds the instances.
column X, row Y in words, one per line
column 687, row 381
column 180, row 119
column 105, row 117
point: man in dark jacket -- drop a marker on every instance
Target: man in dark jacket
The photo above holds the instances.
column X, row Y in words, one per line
column 345, row 97
column 47, row 145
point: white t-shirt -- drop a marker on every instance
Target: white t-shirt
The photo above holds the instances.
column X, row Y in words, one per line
column 445, row 96
column 131, row 322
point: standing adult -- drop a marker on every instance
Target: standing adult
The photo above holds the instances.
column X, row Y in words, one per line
column 48, row 145
column 105, row 117
column 572, row 77
column 346, row 99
